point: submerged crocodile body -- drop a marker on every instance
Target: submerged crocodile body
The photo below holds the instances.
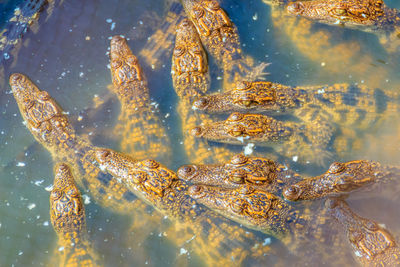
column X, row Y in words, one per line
column 139, row 125
column 366, row 15
column 68, row 218
column 224, row 243
column 342, row 178
column 191, row 79
column 319, row 44
column 372, row 244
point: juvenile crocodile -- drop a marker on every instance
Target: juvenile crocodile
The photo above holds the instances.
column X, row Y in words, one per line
column 342, row 178
column 307, row 142
column 260, row 173
column 68, row 218
column 372, row 244
column 367, row 15
column 222, row 242
column 191, row 79
column 220, row 37
column 303, row 229
column 139, row 125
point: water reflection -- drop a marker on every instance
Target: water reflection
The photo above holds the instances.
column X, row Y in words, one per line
column 67, row 57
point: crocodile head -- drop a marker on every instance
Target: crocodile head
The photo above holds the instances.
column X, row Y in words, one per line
column 373, row 245
column 254, row 208
column 189, row 62
column 67, row 213
column 42, row 115
column 124, row 65
column 348, row 12
column 238, row 171
column 147, row 178
column 239, row 128
column 341, row 178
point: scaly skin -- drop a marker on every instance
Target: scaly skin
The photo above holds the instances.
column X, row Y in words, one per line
column 51, row 128
column 191, row 79
column 306, row 141
column 366, row 15
column 216, row 240
column 67, row 215
column 266, row 212
column 161, row 43
column 319, row 45
column 372, row 244
column 139, row 124
column 342, row 178
column 260, row 173
column 220, row 37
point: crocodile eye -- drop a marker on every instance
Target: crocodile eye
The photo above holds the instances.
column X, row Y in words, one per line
column 237, row 131
column 239, row 159
column 186, row 171
column 178, row 51
column 336, row 167
column 197, row 12
column 149, row 163
column 43, row 95
column 132, row 60
column 196, row 131
column 242, row 85
column 213, row 5
column 28, row 103
column 246, row 102
column 292, row 192
column 237, row 177
column 200, row 103
column 196, row 191
column 371, row 226
column 339, row 11
column 235, row 117
column 115, row 64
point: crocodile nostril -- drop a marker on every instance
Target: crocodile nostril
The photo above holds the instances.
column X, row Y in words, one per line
column 102, row 155
column 200, row 103
column 295, row 8
column 16, row 77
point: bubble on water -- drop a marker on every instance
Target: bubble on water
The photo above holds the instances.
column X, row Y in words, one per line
column 31, row 206
column 21, row 164
column 183, row 251
column 38, row 182
column 86, row 199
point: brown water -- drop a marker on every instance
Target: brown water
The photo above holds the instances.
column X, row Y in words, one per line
column 66, row 55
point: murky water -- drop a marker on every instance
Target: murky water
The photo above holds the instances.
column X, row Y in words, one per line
column 66, row 55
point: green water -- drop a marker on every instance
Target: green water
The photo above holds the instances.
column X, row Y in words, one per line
column 66, row 56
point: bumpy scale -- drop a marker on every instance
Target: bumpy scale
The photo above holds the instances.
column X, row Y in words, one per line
column 218, row 241
column 372, row 244
column 220, row 37
column 366, row 15
column 67, row 215
column 301, row 228
column 191, row 79
column 260, row 173
column 321, row 46
column 306, row 141
column 51, row 128
column 139, row 125
column 342, row 178
column 354, row 108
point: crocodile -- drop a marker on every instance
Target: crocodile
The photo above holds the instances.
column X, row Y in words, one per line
column 139, row 125
column 329, row 48
column 260, row 173
column 301, row 229
column 366, row 15
column 50, row 126
column 342, row 178
column 222, row 241
column 303, row 142
column 68, row 218
column 220, row 37
column 372, row 243
column 340, row 110
column 191, row 78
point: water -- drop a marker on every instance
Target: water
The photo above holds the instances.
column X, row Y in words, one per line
column 66, row 55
